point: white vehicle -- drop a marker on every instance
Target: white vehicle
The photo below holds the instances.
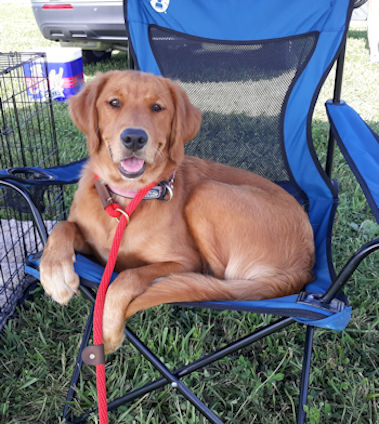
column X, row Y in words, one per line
column 96, row 26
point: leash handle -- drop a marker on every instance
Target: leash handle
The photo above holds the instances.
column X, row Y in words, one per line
column 97, row 352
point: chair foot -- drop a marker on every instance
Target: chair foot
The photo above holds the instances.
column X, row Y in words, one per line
column 305, row 375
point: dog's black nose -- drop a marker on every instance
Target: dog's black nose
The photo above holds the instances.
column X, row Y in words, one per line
column 134, row 138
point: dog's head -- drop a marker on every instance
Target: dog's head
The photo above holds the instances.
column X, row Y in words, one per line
column 136, row 125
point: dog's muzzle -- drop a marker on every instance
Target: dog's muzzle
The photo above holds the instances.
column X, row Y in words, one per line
column 134, row 138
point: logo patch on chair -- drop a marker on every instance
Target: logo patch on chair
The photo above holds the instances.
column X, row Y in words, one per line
column 160, row 6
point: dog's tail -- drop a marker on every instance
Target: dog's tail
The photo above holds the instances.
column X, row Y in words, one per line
column 192, row 287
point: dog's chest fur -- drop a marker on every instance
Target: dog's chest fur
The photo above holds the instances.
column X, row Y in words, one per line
column 142, row 244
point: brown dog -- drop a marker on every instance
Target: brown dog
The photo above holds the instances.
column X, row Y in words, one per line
column 226, row 233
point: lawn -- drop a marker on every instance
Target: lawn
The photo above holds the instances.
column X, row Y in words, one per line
column 38, row 347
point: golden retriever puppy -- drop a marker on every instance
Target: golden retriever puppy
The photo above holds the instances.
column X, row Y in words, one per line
column 225, row 234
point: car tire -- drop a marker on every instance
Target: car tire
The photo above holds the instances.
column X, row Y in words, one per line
column 94, row 56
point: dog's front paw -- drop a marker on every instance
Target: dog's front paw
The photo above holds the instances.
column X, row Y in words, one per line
column 112, row 338
column 58, row 276
column 113, row 327
column 116, row 301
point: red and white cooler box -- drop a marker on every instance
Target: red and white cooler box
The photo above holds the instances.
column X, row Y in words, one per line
column 65, row 72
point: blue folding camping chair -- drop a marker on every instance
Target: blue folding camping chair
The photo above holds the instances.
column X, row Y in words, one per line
column 254, row 69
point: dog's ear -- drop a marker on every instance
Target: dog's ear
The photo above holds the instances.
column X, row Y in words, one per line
column 186, row 122
column 83, row 111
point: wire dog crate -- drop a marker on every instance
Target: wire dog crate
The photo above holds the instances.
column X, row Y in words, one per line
column 27, row 139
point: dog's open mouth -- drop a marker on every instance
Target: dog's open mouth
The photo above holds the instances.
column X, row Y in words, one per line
column 132, row 167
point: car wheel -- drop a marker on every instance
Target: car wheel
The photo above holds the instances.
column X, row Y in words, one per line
column 94, row 56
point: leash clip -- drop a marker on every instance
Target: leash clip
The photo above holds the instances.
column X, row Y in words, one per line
column 127, row 217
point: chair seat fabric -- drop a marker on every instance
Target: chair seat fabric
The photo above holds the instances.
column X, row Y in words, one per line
column 289, row 306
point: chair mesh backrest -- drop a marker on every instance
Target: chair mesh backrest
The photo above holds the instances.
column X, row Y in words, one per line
column 232, row 85
column 255, row 70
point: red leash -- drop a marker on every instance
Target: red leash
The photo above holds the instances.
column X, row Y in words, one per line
column 94, row 355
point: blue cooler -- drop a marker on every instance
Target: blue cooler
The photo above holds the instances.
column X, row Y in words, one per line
column 65, row 70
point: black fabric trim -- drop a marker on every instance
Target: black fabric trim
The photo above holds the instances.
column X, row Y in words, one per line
column 130, row 44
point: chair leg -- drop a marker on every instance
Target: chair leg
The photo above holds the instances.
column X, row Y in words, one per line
column 305, row 375
column 78, row 366
column 198, row 364
column 169, row 376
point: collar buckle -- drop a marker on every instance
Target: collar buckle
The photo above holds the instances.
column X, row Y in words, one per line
column 167, row 187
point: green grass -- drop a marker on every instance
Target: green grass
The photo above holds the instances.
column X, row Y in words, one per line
column 38, row 347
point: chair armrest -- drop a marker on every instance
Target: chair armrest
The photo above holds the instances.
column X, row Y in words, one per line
column 360, row 147
column 58, row 175
column 30, row 182
column 33, row 209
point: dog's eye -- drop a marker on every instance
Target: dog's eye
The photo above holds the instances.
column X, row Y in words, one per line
column 115, row 103
column 156, row 107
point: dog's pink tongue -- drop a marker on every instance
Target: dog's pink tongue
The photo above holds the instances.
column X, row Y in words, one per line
column 132, row 164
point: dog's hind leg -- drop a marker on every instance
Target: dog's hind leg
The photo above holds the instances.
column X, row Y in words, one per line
column 193, row 287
